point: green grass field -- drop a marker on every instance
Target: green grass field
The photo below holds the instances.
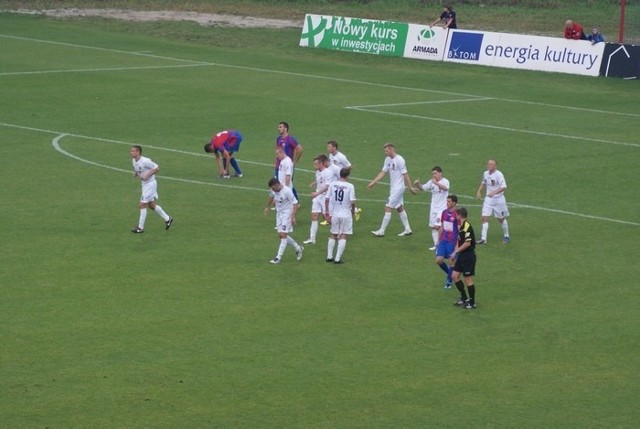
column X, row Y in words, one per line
column 193, row 327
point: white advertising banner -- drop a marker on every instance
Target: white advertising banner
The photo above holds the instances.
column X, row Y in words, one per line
column 425, row 43
column 524, row 52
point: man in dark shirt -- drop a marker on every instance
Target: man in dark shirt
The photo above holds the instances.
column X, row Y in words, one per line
column 464, row 256
column 447, row 17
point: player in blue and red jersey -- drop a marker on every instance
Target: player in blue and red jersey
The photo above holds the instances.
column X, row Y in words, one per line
column 292, row 149
column 223, row 145
column 448, row 237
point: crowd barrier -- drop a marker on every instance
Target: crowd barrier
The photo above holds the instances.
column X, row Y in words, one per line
column 516, row 51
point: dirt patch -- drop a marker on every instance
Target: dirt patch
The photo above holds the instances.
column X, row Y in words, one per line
column 204, row 19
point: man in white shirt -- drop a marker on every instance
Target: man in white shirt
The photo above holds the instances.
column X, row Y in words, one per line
column 286, row 207
column 324, row 177
column 439, row 188
column 340, row 205
column 395, row 165
column 145, row 169
column 285, row 168
column 494, row 201
column 340, row 159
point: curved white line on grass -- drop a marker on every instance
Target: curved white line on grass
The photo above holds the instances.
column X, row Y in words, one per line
column 311, row 76
column 56, row 145
column 494, row 127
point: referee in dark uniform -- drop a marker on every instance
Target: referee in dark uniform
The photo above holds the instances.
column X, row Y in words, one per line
column 465, row 261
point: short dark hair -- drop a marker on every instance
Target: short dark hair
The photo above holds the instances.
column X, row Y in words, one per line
column 333, row 143
column 462, row 212
column 284, row 124
column 437, row 168
column 344, row 172
column 138, row 148
column 453, row 197
column 273, row 181
column 208, row 148
column 322, row 158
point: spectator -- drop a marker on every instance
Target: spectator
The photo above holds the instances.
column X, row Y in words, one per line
column 573, row 30
column 595, row 36
column 447, row 18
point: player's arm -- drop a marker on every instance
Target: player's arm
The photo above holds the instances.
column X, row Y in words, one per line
column 268, row 205
column 376, row 179
column 219, row 162
column 296, row 206
column 297, row 154
column 407, row 182
column 497, row 191
column 327, row 204
column 479, row 192
column 145, row 176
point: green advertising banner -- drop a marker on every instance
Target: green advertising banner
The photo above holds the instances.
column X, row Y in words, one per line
column 354, row 35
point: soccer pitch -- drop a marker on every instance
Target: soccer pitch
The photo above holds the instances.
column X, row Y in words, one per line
column 192, row 327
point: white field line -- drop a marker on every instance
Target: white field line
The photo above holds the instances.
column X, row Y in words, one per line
column 311, row 76
column 60, row 136
column 415, row 103
column 104, row 69
column 494, row 127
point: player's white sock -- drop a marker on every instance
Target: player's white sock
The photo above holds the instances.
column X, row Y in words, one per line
column 291, row 242
column 385, row 222
column 342, row 243
column 161, row 213
column 313, row 231
column 485, row 229
column 143, row 217
column 505, row 228
column 283, row 245
column 405, row 220
column 331, row 244
column 435, row 235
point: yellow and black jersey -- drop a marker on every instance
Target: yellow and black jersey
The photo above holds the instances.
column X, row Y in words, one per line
column 466, row 234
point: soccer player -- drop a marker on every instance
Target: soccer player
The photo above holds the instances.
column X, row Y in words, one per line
column 324, row 177
column 291, row 147
column 439, row 187
column 494, row 201
column 448, row 229
column 145, row 169
column 340, row 159
column 398, row 178
column 464, row 256
column 286, row 207
column 223, row 145
column 340, row 204
column 285, row 168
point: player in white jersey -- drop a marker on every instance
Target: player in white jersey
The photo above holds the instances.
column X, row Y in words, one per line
column 398, row 179
column 340, row 159
column 494, row 201
column 286, row 207
column 439, row 187
column 285, row 168
column 340, row 205
column 145, row 169
column 324, row 177
column 336, row 157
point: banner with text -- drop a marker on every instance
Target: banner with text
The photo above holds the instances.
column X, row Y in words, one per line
column 354, row 35
column 425, row 43
column 524, row 52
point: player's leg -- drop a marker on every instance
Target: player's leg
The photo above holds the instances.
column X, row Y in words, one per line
column 405, row 221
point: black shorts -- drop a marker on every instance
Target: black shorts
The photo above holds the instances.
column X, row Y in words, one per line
column 466, row 264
